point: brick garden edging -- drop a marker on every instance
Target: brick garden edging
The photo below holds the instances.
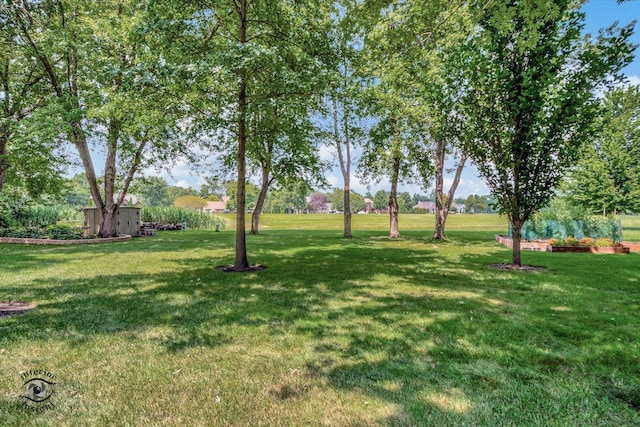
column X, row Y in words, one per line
column 27, row 241
column 524, row 245
column 546, row 247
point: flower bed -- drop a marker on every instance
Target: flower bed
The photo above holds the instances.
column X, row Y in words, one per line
column 592, row 249
column 570, row 244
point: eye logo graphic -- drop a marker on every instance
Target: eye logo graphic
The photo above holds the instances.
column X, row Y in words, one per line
column 38, row 388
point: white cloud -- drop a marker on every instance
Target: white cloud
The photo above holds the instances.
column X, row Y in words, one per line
column 633, row 80
column 333, row 181
column 181, row 174
column 326, row 153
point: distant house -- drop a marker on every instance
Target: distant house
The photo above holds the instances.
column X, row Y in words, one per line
column 459, row 207
column 430, row 206
column 368, row 205
column 219, row 206
column 130, row 200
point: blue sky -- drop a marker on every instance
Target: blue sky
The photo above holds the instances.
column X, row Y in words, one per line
column 599, row 14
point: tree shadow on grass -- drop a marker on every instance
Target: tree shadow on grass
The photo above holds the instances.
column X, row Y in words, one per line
column 430, row 334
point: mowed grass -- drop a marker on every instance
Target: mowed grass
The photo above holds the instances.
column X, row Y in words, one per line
column 337, row 332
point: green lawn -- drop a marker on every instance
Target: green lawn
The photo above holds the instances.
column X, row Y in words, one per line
column 335, row 332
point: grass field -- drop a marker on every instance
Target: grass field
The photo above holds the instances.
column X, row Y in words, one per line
column 357, row 332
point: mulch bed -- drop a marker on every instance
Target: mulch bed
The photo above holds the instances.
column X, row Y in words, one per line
column 12, row 308
column 505, row 266
column 252, row 268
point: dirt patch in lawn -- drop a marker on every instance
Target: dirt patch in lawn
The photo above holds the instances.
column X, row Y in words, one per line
column 12, row 308
column 505, row 266
column 252, row 268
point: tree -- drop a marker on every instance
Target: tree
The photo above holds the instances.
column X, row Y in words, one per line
column 251, row 194
column 152, row 191
column 106, row 86
column 282, row 147
column 395, row 56
column 343, row 114
column 318, row 202
column 381, row 200
column 475, row 204
column 607, row 177
column 30, row 158
column 240, row 56
column 405, row 203
column 289, row 199
column 526, row 80
column 211, row 187
column 356, row 201
column 445, row 116
column 76, row 192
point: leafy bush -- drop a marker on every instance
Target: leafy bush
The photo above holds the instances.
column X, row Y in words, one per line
column 63, row 232
column 556, row 242
column 603, row 243
column 56, row 232
column 571, row 241
column 587, row 241
column 22, row 232
column 7, row 209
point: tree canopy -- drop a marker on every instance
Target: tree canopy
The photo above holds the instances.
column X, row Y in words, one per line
column 607, row 177
column 527, row 82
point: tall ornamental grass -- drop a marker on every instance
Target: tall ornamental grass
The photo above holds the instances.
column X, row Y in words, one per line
column 174, row 215
column 39, row 215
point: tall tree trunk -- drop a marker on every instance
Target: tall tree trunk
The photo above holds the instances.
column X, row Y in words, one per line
column 444, row 206
column 438, row 233
column 347, row 211
column 345, row 166
column 394, row 229
column 264, row 188
column 110, row 208
column 241, row 261
column 516, row 225
column 4, row 165
column 79, row 139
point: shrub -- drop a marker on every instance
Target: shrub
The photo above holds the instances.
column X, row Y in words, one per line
column 571, row 241
column 56, row 232
column 63, row 232
column 23, row 232
column 587, row 241
column 561, row 221
column 556, row 242
column 603, row 243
